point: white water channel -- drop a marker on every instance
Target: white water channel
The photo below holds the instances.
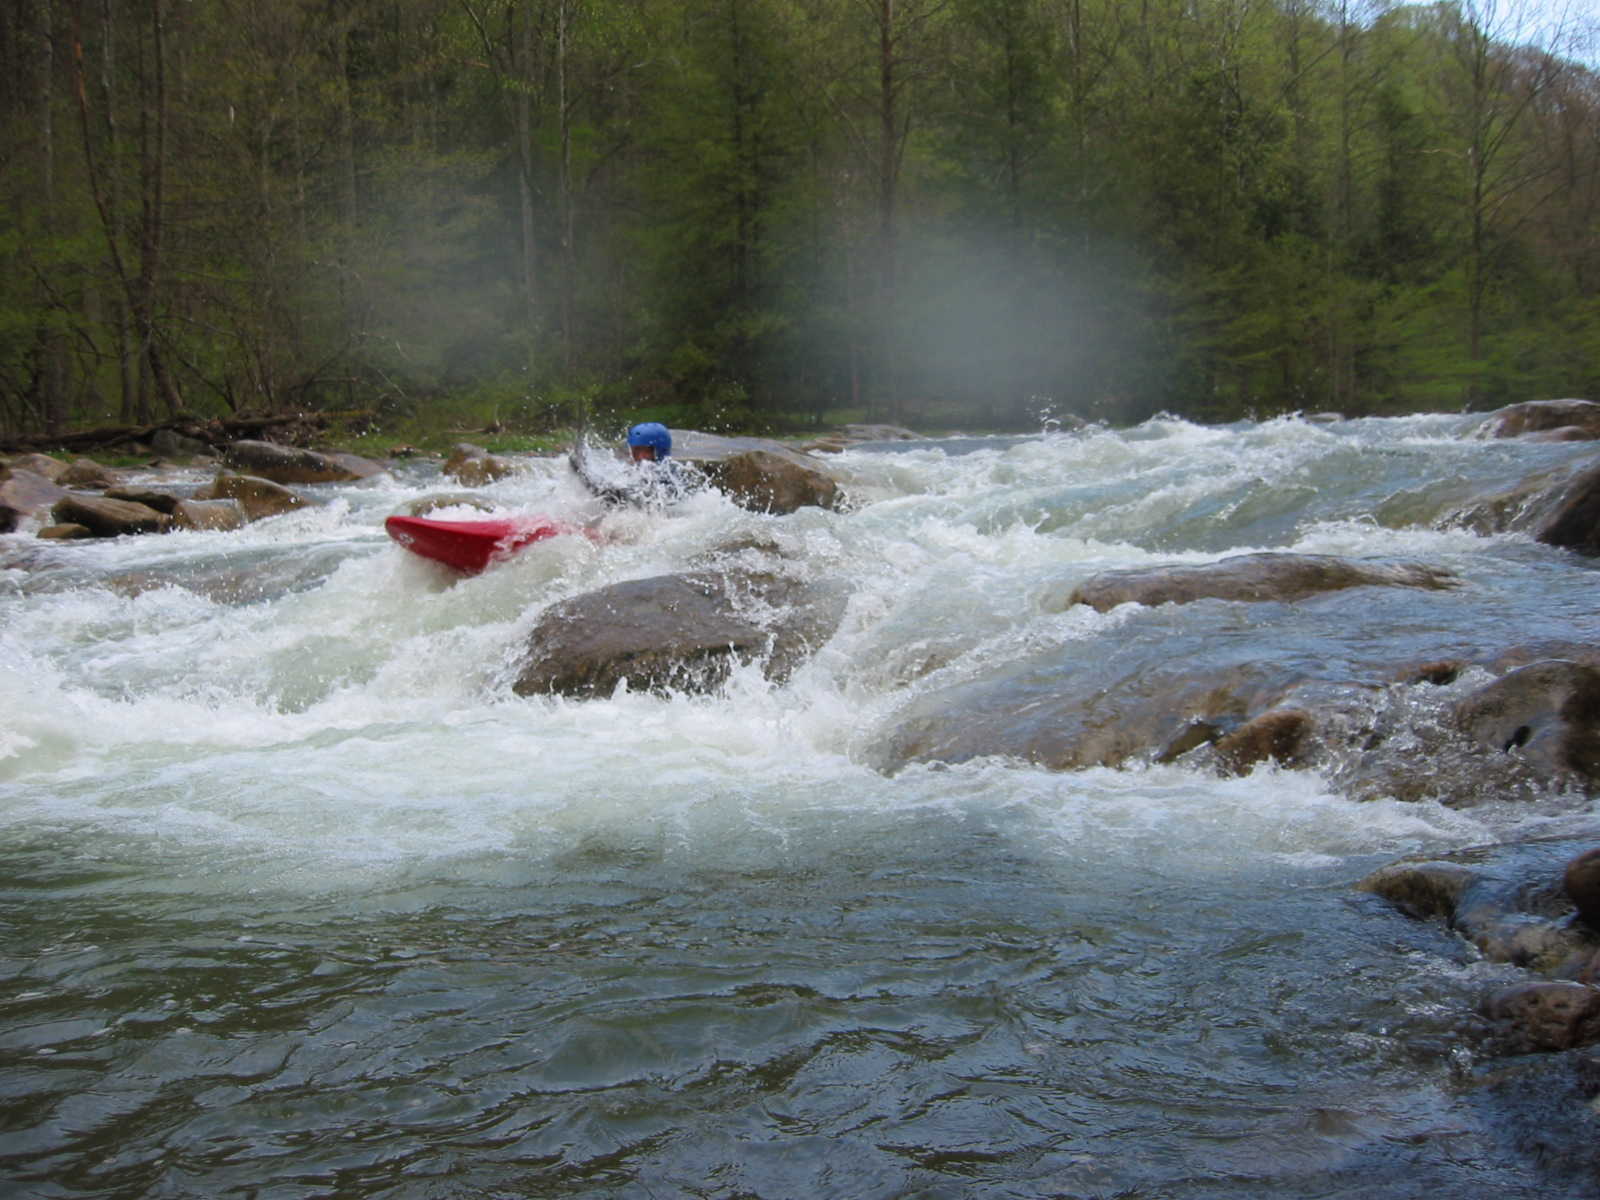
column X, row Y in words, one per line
column 304, row 901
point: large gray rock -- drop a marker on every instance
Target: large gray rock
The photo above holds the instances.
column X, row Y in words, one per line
column 1251, row 577
column 677, row 633
column 27, row 491
column 289, row 464
column 105, row 517
column 39, row 464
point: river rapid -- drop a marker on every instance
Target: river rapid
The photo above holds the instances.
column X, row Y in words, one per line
column 300, row 900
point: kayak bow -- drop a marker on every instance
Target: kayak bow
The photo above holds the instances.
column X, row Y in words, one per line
column 471, row 546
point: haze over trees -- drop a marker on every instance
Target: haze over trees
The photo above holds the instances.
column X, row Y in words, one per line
column 977, row 212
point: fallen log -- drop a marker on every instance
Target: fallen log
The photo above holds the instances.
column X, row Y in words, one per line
column 215, row 432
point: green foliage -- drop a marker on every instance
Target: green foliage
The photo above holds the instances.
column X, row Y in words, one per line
column 504, row 214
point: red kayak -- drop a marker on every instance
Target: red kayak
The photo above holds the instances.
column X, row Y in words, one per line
column 470, row 546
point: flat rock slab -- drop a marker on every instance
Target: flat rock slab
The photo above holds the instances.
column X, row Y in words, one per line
column 1249, row 577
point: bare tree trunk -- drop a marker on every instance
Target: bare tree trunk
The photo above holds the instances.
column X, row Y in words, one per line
column 888, row 179
column 50, row 362
column 152, row 200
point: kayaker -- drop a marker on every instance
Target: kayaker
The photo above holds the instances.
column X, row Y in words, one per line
column 654, row 479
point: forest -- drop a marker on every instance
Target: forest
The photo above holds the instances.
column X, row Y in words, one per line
column 763, row 214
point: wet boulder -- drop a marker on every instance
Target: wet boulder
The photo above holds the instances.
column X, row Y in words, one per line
column 1546, row 1014
column 1568, row 515
column 1556, row 420
column 1546, row 714
column 85, row 473
column 105, row 517
column 8, row 518
column 69, row 531
column 1248, row 577
column 209, row 515
column 259, row 498
column 1581, row 882
column 765, row 481
column 1508, row 901
column 290, row 464
column 150, row 497
column 473, row 466
column 677, row 633
column 759, row 474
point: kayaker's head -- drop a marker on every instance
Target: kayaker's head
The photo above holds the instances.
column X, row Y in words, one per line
column 649, row 441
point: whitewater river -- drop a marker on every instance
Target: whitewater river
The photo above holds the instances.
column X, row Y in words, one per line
column 300, row 900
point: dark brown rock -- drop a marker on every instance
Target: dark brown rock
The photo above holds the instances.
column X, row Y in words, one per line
column 1571, row 517
column 1249, row 577
column 1582, row 882
column 1546, row 713
column 1422, row 889
column 1278, row 736
column 1547, row 1014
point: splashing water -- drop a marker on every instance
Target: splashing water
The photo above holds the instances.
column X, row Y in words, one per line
column 302, row 900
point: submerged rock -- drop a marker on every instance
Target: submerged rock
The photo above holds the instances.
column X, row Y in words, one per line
column 1511, row 903
column 473, row 466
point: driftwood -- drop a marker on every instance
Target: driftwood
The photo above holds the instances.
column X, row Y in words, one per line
column 289, row 428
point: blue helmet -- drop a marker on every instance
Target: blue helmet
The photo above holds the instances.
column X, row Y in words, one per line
column 652, row 434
